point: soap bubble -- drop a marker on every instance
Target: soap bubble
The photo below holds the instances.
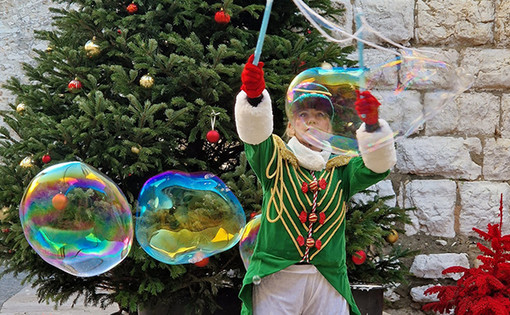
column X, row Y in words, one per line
column 184, row 218
column 248, row 238
column 256, row 280
column 397, row 83
column 77, row 219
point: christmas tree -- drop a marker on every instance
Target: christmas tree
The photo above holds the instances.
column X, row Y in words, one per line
column 373, row 227
column 482, row 290
column 132, row 89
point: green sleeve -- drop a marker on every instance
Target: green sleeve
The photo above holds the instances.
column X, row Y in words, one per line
column 359, row 177
column 260, row 156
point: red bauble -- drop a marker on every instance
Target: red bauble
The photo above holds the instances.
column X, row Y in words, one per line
column 213, row 136
column 221, row 17
column 46, row 159
column 59, row 201
column 132, row 8
column 74, row 86
column 359, row 257
column 202, row 263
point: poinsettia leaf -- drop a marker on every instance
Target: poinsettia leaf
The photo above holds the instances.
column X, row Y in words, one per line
column 486, row 251
column 455, row 269
column 482, row 234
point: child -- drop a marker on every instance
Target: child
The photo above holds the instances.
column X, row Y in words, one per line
column 298, row 265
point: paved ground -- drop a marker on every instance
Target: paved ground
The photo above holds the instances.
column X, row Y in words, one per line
column 16, row 299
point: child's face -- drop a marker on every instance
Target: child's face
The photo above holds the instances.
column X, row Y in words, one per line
column 309, row 118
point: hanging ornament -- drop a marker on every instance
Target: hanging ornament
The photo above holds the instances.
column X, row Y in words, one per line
column 59, row 201
column 132, row 8
column 213, row 136
column 203, row 262
column 74, row 86
column 20, row 108
column 92, row 48
column 221, row 17
column 359, row 257
column 46, row 159
column 147, row 81
column 392, row 237
column 27, row 162
column 135, row 149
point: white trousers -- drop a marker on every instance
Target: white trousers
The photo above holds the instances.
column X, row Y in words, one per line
column 297, row 290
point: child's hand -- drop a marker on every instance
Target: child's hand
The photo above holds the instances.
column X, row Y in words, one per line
column 366, row 106
column 253, row 78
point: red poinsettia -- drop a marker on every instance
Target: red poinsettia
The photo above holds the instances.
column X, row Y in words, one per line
column 484, row 290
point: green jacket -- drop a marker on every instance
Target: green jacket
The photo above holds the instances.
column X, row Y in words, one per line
column 278, row 241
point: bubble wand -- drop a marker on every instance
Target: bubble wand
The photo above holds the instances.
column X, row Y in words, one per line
column 262, row 33
column 361, row 46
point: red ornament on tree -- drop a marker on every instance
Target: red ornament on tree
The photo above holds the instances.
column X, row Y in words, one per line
column 74, row 86
column 59, row 201
column 202, row 263
column 132, row 8
column 213, row 136
column 221, row 17
column 46, row 159
column 359, row 257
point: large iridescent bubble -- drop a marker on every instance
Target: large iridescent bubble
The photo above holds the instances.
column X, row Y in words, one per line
column 77, row 219
column 183, row 218
column 400, row 84
column 413, row 86
column 248, row 240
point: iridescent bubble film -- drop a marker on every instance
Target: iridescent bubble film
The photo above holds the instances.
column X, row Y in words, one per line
column 248, row 239
column 400, row 84
column 183, row 218
column 77, row 219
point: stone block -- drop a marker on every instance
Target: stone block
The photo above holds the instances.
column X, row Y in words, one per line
column 445, row 156
column 490, row 67
column 418, row 294
column 393, row 19
column 453, row 22
column 501, row 25
column 434, row 201
column 480, row 206
column 469, row 115
column 496, row 162
column 431, row 266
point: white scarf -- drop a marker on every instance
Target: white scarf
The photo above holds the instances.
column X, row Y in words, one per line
column 308, row 158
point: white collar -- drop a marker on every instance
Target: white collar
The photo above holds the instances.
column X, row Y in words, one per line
column 308, row 158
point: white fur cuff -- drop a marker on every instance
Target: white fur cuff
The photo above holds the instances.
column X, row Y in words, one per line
column 383, row 158
column 254, row 123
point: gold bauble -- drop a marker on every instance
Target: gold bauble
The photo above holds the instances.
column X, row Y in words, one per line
column 392, row 237
column 27, row 162
column 20, row 108
column 135, row 149
column 147, row 81
column 92, row 48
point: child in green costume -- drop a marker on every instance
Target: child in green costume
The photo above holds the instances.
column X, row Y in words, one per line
column 298, row 265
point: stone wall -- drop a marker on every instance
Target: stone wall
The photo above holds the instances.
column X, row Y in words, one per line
column 453, row 169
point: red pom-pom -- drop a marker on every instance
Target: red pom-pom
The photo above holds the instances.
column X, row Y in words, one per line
column 59, row 201
column 221, row 17
column 304, row 188
column 301, row 240
column 46, row 159
column 302, row 216
column 213, row 136
column 322, row 183
column 132, row 8
column 322, row 217
column 359, row 257
column 318, row 244
column 202, row 263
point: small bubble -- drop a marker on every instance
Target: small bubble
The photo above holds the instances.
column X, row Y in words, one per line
column 256, row 280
